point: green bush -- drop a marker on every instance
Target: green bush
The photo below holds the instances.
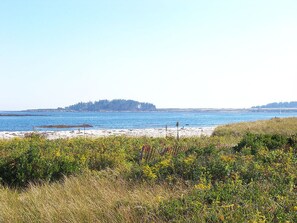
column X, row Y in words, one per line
column 231, row 201
column 189, row 165
column 32, row 166
column 35, row 159
column 257, row 141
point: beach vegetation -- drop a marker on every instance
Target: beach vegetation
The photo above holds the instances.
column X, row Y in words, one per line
column 279, row 126
column 222, row 178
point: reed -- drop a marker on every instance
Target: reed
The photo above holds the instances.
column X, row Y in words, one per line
column 104, row 197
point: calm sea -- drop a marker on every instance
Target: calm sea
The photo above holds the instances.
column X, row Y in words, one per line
column 131, row 120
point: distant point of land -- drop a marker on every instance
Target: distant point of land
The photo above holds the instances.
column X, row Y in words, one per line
column 278, row 105
column 120, row 105
column 104, row 106
column 17, row 115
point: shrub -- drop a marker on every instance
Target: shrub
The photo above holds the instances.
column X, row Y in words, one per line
column 257, row 141
column 32, row 166
column 34, row 135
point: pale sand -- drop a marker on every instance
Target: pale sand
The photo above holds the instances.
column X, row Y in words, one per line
column 156, row 132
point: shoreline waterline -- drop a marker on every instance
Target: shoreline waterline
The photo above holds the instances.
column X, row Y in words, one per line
column 131, row 120
column 148, row 132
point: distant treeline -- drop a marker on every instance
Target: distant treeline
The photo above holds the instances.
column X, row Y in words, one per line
column 292, row 104
column 113, row 105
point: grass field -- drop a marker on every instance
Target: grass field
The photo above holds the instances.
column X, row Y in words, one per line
column 283, row 126
column 243, row 173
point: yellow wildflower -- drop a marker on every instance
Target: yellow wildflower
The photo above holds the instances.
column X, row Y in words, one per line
column 58, row 153
column 165, row 163
column 227, row 158
column 202, row 186
column 147, row 171
column 189, row 160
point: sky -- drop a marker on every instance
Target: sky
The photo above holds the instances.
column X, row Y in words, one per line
column 173, row 53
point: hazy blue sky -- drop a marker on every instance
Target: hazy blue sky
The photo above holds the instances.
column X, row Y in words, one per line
column 173, row 53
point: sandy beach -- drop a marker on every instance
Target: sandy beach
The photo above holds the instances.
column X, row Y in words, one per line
column 153, row 132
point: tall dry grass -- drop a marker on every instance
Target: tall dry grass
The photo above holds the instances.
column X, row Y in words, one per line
column 85, row 198
column 283, row 126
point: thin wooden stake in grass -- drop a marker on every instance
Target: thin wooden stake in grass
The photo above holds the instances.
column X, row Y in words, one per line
column 177, row 133
column 166, row 131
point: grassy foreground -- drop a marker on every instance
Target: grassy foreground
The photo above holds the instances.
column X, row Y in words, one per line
column 247, row 177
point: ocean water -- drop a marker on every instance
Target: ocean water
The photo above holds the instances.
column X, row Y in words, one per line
column 131, row 120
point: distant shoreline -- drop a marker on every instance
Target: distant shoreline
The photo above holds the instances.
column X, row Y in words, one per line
column 176, row 110
column 17, row 115
column 228, row 110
